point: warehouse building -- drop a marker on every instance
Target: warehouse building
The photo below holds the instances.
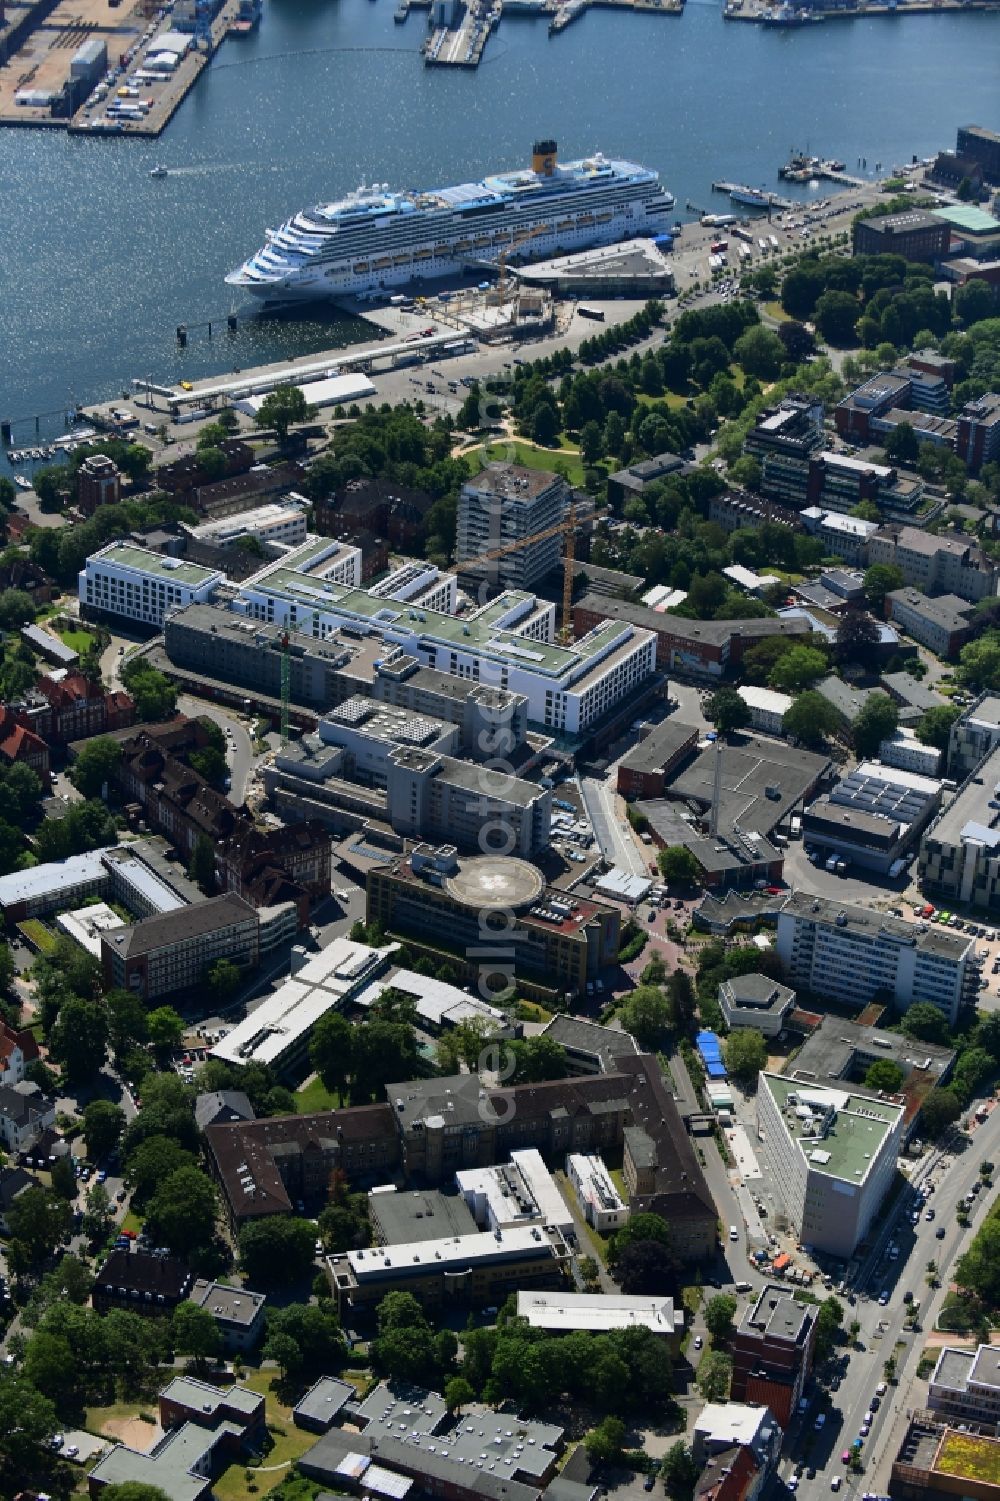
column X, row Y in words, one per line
column 833, row 1155
column 854, row 954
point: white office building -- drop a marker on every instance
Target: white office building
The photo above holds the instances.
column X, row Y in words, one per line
column 602, row 1204
column 503, row 505
column 521, row 1192
column 965, row 1385
column 142, row 586
column 281, row 521
column 767, row 708
column 833, row 1155
column 855, row 953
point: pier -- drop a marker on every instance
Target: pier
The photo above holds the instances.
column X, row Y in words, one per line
column 461, row 43
column 784, row 15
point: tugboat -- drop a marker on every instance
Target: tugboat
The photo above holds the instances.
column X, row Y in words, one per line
column 159, row 171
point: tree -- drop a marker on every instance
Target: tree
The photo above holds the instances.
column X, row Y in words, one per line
column 166, row 1028
column 798, row 669
column 154, row 694
column 27, row 1421
column 727, row 711
column 980, row 663
column 885, row 1075
column 103, row 1124
column 280, row 408
column 604, row 1444
column 798, row 341
column 274, row 1251
column 828, row 1324
column 857, row 638
column 196, row 1333
column 152, row 1162
column 38, row 1219
column 537, row 1059
column 745, row 1053
column 182, row 1210
column 316, row 1333
column 678, row 866
column 330, row 1051
column 935, row 726
column 202, row 866
column 881, row 579
column 973, row 1068
column 679, row 1468
column 978, row 1269
column 224, row 978
column 940, row 1110
column 974, row 302
column 719, row 1314
column 715, row 1374
column 761, row 352
column 98, row 1213
column 925, row 1022
column 646, row 1014
column 458, row 1393
column 79, row 1039
column 126, row 1020
column 902, row 446
column 878, row 720
column 545, row 425
column 988, row 1034
column 283, row 1350
column 836, row 316
column 810, row 719
column 591, row 443
column 96, row 767
column 646, row 1268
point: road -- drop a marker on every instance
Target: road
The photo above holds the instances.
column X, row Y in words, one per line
column 611, row 829
column 239, row 749
column 953, row 1174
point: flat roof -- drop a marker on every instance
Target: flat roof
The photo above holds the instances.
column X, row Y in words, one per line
column 660, row 746
column 948, row 611
column 512, row 481
column 875, row 926
column 750, row 767
column 234, row 1305
column 598, row 1313
column 838, row 1047
column 324, row 1400
column 970, row 807
column 765, row 699
column 420, row 1216
column 388, row 1263
column 852, row 1127
column 51, row 878
column 141, row 560
column 966, row 216
column 326, row 980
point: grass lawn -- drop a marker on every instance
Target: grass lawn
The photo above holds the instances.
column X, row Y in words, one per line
column 132, row 1221
column 38, row 935
column 95, row 1418
column 533, row 458
column 531, row 1011
column 315, row 1096
column 775, row 310
column 967, row 1455
column 618, row 1179
column 77, row 640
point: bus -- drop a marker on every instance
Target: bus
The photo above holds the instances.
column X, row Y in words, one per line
column 591, row 312
column 719, row 247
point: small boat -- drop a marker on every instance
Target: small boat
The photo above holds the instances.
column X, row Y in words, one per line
column 21, row 482
column 159, row 171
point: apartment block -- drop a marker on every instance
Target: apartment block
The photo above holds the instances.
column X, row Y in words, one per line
column 172, row 951
column 772, row 1351
column 833, row 1154
column 505, row 505
column 856, row 953
column 978, row 440
column 941, row 622
column 783, row 441
column 960, row 851
column 965, row 1385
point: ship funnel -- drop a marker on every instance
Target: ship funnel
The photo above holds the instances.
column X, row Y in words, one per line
column 543, row 158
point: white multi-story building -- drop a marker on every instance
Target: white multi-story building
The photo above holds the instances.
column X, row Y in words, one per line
column 521, row 1192
column 767, row 708
column 507, row 503
column 281, row 521
column 905, row 751
column 965, row 1385
column 599, row 1313
column 833, row 1154
column 135, row 584
column 600, row 1200
column 855, row 953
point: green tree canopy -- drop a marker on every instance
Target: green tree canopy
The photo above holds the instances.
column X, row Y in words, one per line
column 878, row 720
column 881, row 579
column 746, row 1053
column 38, row 1219
column 978, row 1269
column 181, row 1212
column 926, row 1022
column 715, row 1373
column 797, row 669
column 811, row 719
column 940, row 1109
column 935, row 726
column 79, row 1039
column 96, row 767
column 720, row 1312
column 646, row 1013
column 275, row 1251
column 281, row 408
column 678, row 866
column 103, row 1124
column 884, row 1074
column 727, row 711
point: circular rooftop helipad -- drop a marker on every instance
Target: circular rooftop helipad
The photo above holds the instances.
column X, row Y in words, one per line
column 493, row 881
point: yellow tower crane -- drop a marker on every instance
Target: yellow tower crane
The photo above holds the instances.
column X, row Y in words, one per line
column 565, row 528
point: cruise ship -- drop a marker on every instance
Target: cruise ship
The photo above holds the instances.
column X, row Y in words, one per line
column 375, row 239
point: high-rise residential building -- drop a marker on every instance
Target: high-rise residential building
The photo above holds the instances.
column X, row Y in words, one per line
column 978, row 440
column 855, row 954
column 505, row 504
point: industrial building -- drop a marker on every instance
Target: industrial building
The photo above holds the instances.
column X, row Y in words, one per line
column 833, row 1156
column 855, row 954
column 960, row 851
column 873, row 816
column 502, row 507
column 645, row 770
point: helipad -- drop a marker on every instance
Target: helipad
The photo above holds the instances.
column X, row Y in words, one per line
column 491, row 882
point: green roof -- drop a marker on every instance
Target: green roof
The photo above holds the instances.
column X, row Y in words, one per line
column 966, row 216
column 127, row 555
column 852, row 1127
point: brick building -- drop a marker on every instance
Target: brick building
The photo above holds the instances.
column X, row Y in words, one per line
column 20, row 746
column 391, row 511
column 74, row 709
column 98, row 483
column 913, row 234
column 699, row 648
column 772, row 1351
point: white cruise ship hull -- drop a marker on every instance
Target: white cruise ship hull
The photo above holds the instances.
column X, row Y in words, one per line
column 369, row 244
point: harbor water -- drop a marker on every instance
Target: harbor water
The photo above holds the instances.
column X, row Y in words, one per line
column 100, row 262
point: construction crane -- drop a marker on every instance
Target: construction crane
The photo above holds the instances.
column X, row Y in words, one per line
column 565, row 528
column 286, row 687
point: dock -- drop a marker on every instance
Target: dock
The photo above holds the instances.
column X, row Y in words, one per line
column 461, row 43
column 83, row 66
column 805, row 169
column 781, row 15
